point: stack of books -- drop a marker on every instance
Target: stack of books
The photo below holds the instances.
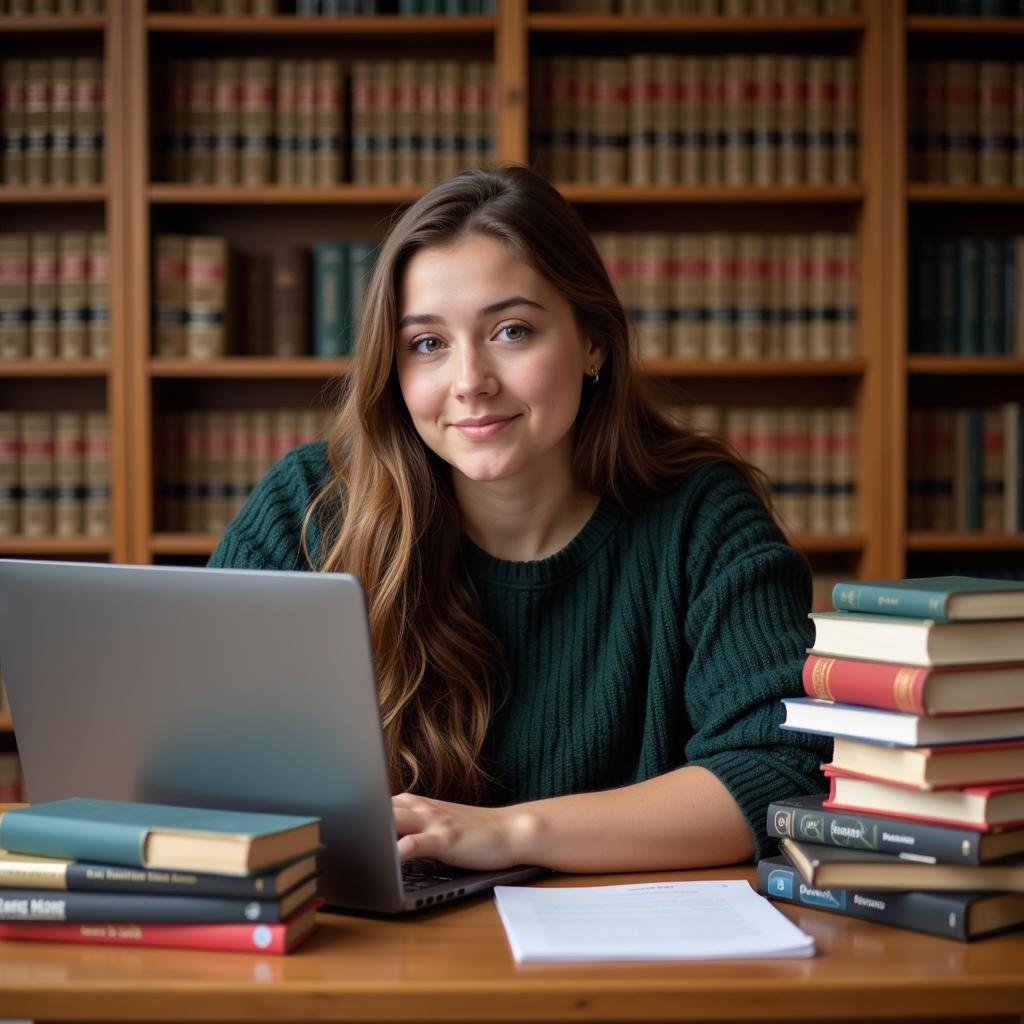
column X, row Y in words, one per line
column 119, row 873
column 921, row 685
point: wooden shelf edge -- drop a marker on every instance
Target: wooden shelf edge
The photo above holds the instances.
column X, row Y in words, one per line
column 936, row 193
column 980, row 366
column 707, row 24
column 952, row 542
column 53, row 194
column 264, row 195
column 61, row 24
column 931, row 24
column 183, row 543
column 296, row 25
column 581, row 193
column 682, row 369
column 6, row 724
column 827, row 543
column 249, row 366
column 54, row 367
column 18, row 547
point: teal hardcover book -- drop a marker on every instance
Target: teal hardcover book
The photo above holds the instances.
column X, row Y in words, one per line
column 157, row 836
column 941, row 598
column 330, row 301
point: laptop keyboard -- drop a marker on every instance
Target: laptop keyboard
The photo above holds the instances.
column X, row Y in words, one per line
column 423, row 873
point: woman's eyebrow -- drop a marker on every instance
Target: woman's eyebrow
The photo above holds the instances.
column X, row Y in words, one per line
column 494, row 307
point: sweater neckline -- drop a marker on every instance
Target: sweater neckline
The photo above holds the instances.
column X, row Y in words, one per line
column 569, row 560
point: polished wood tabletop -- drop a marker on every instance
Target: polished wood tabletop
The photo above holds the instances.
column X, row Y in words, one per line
column 454, row 964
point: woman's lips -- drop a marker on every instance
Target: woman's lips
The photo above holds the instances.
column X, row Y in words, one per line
column 483, row 427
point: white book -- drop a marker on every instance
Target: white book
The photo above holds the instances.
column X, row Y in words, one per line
column 716, row 920
column 900, row 728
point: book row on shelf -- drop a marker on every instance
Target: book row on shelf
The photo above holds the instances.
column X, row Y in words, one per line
column 737, row 119
column 966, row 468
column 209, row 301
column 966, row 122
column 53, row 120
column 118, row 873
column 807, row 453
column 968, row 8
column 257, row 121
column 332, row 8
column 728, row 8
column 917, row 683
column 211, row 459
column 54, row 295
column 37, row 7
column 54, row 474
column 967, row 296
column 719, row 295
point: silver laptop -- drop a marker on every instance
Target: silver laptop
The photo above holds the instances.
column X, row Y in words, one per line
column 216, row 688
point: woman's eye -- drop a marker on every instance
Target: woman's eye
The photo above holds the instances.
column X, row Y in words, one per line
column 426, row 346
column 515, row 332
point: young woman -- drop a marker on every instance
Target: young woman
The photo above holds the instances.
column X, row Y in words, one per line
column 583, row 616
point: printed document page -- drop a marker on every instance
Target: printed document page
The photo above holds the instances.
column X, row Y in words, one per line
column 657, row 921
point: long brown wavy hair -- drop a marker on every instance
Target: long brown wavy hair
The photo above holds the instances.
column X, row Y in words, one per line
column 388, row 514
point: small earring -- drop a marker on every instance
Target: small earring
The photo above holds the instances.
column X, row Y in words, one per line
column 594, row 375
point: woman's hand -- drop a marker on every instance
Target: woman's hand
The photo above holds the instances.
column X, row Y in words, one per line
column 483, row 838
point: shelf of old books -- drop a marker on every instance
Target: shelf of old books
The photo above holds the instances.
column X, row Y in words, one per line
column 681, row 24
column 931, row 24
column 289, row 25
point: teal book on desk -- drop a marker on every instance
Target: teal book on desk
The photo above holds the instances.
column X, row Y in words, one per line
column 158, row 836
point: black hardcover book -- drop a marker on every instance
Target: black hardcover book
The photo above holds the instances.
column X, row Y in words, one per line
column 805, row 819
column 47, row 905
column 952, row 915
column 22, row 871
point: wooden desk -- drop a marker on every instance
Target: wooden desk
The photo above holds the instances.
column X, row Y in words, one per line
column 454, row 965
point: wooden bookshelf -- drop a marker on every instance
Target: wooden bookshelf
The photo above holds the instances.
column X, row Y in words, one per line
column 77, row 383
column 6, row 725
column 876, row 208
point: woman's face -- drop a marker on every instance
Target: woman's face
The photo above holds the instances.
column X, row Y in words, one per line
column 490, row 361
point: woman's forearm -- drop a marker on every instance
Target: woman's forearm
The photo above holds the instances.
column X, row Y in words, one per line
column 685, row 818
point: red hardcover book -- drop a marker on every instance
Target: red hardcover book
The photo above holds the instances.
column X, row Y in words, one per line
column 279, row 938
column 949, row 690
column 976, row 807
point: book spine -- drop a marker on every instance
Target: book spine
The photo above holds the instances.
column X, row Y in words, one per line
column 99, row 296
column 15, row 308
column 875, row 684
column 429, row 161
column 289, row 279
column 68, row 474
column 961, row 124
column 227, row 120
column 870, row 597
column 928, row 912
column 35, row 485
column 992, row 482
column 720, row 255
column 305, row 123
column 73, row 294
column 37, row 122
column 361, row 257
column 201, row 121
column 329, row 123
column 96, row 472
column 243, row 938
column 12, row 79
column 687, row 296
column 689, row 142
column 62, row 97
column 169, row 312
column 285, row 122
column 994, row 117
column 330, row 277
column 206, row 295
column 43, row 295
column 256, row 127
column 9, row 504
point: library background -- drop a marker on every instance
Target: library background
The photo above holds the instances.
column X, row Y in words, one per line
column 813, row 209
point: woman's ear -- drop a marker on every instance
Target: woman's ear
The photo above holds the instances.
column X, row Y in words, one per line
column 596, row 353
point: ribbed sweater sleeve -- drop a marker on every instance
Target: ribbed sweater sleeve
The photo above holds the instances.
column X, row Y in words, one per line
column 747, row 628
column 266, row 533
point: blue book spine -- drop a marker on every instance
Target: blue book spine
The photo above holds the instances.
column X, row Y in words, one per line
column 890, row 600
column 968, row 312
column 946, row 297
column 330, row 273
column 991, row 305
column 1010, row 297
column 974, row 456
column 113, row 843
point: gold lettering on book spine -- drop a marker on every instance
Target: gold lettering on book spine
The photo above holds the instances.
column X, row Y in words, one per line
column 819, row 677
column 904, row 689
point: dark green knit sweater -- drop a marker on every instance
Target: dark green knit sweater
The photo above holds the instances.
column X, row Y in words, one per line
column 654, row 639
